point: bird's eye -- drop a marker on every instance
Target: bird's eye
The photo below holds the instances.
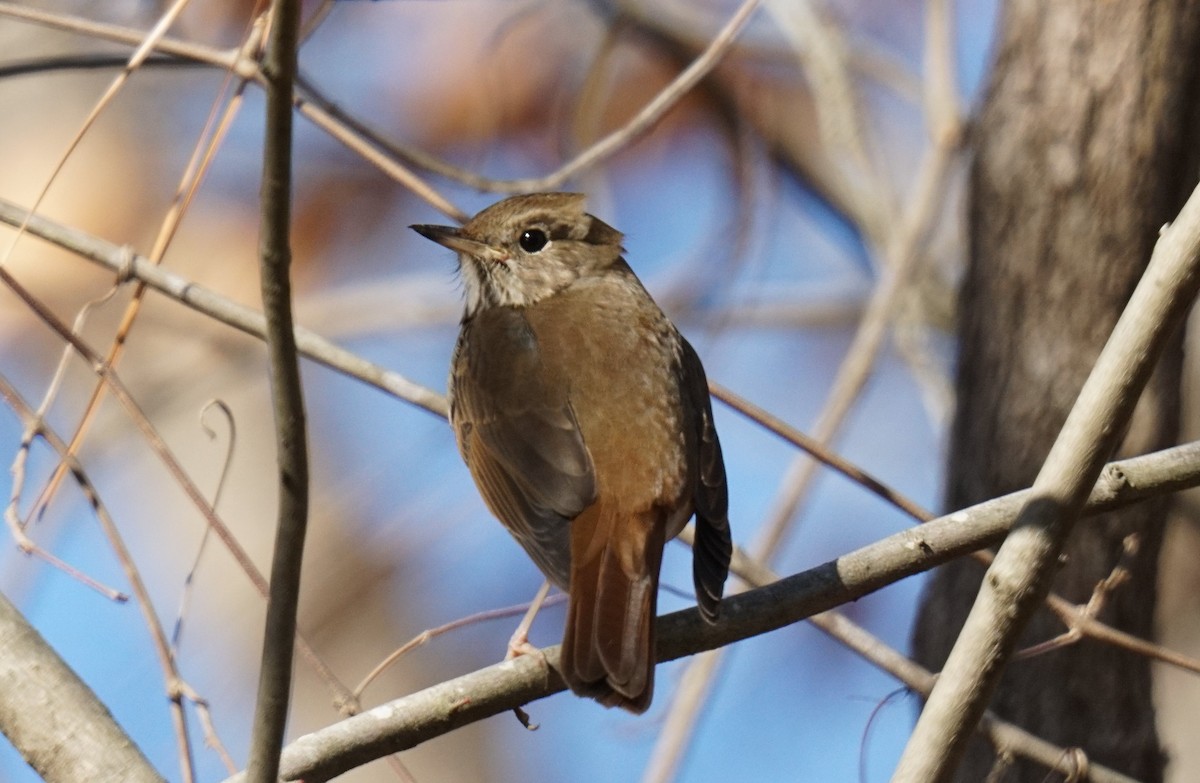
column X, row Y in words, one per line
column 532, row 240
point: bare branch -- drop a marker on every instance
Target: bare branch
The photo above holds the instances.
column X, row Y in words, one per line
column 54, row 719
column 287, row 398
column 1005, row 737
column 606, row 147
column 317, row 348
column 1019, row 578
column 131, row 266
column 33, row 423
column 407, row 722
column 246, row 68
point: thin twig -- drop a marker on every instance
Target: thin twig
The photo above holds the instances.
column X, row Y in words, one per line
column 87, row 62
column 424, row 637
column 12, row 514
column 160, row 449
column 189, row 184
column 211, row 739
column 291, row 435
column 32, row 420
column 1005, row 738
column 51, row 394
column 189, row 579
column 817, row 451
column 129, row 36
column 338, row 123
column 1076, row 617
column 145, row 46
column 246, row 68
column 218, row 307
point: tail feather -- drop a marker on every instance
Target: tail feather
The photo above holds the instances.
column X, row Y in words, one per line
column 713, row 549
column 608, row 648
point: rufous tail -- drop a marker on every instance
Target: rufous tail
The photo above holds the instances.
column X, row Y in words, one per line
column 608, row 647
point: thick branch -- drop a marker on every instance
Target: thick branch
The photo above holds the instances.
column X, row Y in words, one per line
column 1020, row 577
column 54, row 719
column 406, row 722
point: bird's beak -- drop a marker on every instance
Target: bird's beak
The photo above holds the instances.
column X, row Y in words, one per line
column 451, row 237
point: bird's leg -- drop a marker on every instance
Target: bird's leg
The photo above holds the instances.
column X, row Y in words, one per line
column 519, row 643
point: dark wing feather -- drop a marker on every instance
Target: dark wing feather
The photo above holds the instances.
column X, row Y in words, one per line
column 714, row 544
column 518, row 434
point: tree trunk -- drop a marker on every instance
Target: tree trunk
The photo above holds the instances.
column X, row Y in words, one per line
column 1083, row 153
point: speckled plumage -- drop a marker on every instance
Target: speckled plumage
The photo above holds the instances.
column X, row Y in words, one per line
column 585, row 420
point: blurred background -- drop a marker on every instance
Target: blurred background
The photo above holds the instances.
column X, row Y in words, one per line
column 816, row 174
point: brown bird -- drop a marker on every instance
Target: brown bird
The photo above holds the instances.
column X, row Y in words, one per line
column 585, row 420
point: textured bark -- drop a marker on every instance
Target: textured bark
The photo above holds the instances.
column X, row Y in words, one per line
column 54, row 719
column 1082, row 155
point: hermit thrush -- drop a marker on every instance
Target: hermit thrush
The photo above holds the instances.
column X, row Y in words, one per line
column 585, row 420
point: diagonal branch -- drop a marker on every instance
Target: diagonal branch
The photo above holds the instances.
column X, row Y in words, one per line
column 53, row 718
column 315, row 347
column 1020, row 576
column 407, row 722
column 1120, row 485
column 159, row 447
column 127, row 265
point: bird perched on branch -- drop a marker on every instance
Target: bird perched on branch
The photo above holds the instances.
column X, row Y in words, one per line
column 585, row 419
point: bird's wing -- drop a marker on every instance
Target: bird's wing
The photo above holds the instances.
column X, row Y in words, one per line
column 714, row 543
column 519, row 436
